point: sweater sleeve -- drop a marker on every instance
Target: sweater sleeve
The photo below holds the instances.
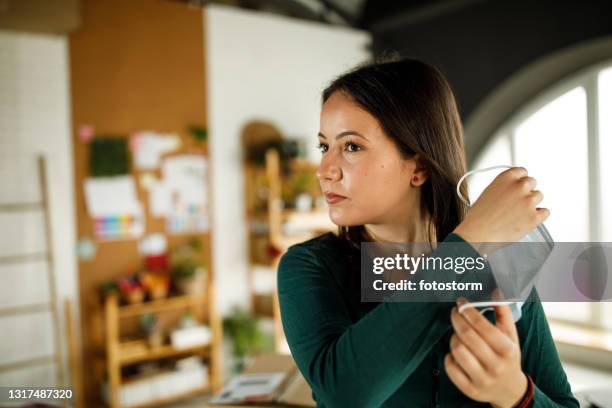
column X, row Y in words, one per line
column 541, row 360
column 354, row 364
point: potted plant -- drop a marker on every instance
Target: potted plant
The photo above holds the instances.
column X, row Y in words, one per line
column 287, row 150
column 189, row 279
column 151, row 326
column 247, row 338
column 187, row 268
column 299, row 188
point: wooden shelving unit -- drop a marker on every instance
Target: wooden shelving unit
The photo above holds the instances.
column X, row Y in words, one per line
column 273, row 225
column 119, row 353
column 170, row 303
column 309, row 223
column 157, row 353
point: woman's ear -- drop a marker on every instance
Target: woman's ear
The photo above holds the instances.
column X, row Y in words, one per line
column 420, row 173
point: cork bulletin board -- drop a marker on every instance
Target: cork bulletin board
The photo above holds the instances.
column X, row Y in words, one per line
column 134, row 65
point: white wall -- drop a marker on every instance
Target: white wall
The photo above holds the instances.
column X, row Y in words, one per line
column 265, row 67
column 34, row 119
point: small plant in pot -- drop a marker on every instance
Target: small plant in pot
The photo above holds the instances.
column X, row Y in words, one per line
column 190, row 279
column 151, row 326
column 187, row 268
column 247, row 337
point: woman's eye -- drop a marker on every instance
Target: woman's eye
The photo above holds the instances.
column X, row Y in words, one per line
column 348, row 146
column 352, row 147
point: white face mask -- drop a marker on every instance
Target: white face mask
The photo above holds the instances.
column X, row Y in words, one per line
column 540, row 253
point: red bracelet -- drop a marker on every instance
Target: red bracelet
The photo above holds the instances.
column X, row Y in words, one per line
column 528, row 397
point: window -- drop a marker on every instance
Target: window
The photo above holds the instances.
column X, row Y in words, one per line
column 561, row 137
column 605, row 145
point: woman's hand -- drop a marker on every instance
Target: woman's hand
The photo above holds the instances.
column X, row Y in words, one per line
column 505, row 211
column 484, row 361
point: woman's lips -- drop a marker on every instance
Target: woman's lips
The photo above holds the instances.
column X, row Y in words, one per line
column 333, row 198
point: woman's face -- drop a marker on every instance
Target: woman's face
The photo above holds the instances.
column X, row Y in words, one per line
column 362, row 174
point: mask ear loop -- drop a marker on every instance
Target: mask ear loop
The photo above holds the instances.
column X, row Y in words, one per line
column 469, row 173
column 486, row 305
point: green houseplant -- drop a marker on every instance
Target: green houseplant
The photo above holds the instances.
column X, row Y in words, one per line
column 187, row 268
column 246, row 335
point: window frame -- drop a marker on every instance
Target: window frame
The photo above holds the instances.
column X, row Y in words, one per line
column 587, row 78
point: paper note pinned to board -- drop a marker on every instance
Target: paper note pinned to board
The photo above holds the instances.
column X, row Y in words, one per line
column 159, row 199
column 186, row 176
column 120, row 226
column 147, row 179
column 148, row 148
column 114, row 207
column 181, row 195
column 110, row 196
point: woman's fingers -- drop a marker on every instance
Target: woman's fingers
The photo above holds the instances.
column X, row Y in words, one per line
column 504, row 319
column 543, row 214
column 500, row 380
column 457, row 375
column 467, row 361
column 505, row 322
column 528, row 183
column 516, row 172
column 501, row 343
column 505, row 211
column 536, row 197
column 472, row 340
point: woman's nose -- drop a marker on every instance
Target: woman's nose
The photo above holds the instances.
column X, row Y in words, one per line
column 328, row 170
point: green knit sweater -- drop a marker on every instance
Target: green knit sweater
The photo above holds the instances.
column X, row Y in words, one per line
column 356, row 354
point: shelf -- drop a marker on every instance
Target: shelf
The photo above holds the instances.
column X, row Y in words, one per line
column 174, row 398
column 285, row 226
column 161, row 305
column 120, row 353
column 161, row 352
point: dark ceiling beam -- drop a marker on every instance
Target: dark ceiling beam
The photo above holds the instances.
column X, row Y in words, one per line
column 419, row 15
column 340, row 12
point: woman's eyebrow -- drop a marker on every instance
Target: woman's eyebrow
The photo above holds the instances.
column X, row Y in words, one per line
column 345, row 133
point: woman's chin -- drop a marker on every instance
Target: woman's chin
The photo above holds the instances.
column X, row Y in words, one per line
column 337, row 217
column 341, row 219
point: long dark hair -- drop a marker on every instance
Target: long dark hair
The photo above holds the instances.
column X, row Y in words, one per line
column 415, row 106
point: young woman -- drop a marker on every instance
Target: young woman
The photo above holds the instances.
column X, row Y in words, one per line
column 392, row 152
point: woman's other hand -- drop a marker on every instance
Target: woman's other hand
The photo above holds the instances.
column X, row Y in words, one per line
column 505, row 211
column 484, row 361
